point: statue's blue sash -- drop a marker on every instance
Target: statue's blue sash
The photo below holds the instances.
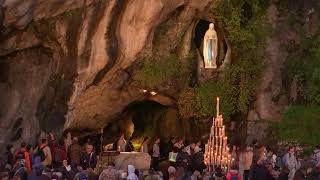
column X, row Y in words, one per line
column 210, row 50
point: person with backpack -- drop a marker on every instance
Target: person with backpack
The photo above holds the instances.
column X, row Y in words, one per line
column 44, row 153
column 22, row 153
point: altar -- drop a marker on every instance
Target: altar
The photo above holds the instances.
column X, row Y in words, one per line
column 139, row 160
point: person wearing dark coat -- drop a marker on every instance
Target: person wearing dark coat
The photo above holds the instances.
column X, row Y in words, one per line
column 197, row 162
column 183, row 159
column 129, row 147
column 89, row 158
column 74, row 152
column 10, row 155
column 259, row 171
column 65, row 169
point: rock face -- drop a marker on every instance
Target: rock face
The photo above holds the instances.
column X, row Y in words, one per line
column 68, row 64
column 273, row 97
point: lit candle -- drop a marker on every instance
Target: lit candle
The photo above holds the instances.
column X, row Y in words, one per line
column 223, row 130
column 217, row 109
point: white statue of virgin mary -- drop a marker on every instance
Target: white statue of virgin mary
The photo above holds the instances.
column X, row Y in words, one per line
column 210, row 47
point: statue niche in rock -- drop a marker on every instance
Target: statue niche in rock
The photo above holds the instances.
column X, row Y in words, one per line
column 210, row 47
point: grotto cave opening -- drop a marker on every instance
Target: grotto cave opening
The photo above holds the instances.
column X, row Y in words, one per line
column 199, row 32
column 144, row 118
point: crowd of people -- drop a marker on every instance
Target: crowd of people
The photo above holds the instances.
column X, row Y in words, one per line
column 173, row 160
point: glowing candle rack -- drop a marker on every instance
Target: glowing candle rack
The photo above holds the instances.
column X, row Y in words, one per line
column 216, row 150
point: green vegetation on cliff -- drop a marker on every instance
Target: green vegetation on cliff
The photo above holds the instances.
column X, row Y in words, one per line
column 301, row 120
column 246, row 29
column 303, row 64
column 158, row 71
column 300, row 123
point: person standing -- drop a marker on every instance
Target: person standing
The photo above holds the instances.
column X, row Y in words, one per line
column 22, row 153
column 9, row 155
column 315, row 158
column 291, row 161
column 245, row 162
column 144, row 145
column 183, row 158
column 67, row 141
column 45, row 150
column 74, row 152
column 156, row 153
column 121, row 144
column 89, row 159
column 258, row 170
column 129, row 146
column 178, row 145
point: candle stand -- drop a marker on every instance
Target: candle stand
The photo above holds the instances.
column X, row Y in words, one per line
column 216, row 150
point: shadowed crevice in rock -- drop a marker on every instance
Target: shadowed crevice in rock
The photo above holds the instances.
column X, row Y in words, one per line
column 53, row 105
column 112, row 39
column 144, row 118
